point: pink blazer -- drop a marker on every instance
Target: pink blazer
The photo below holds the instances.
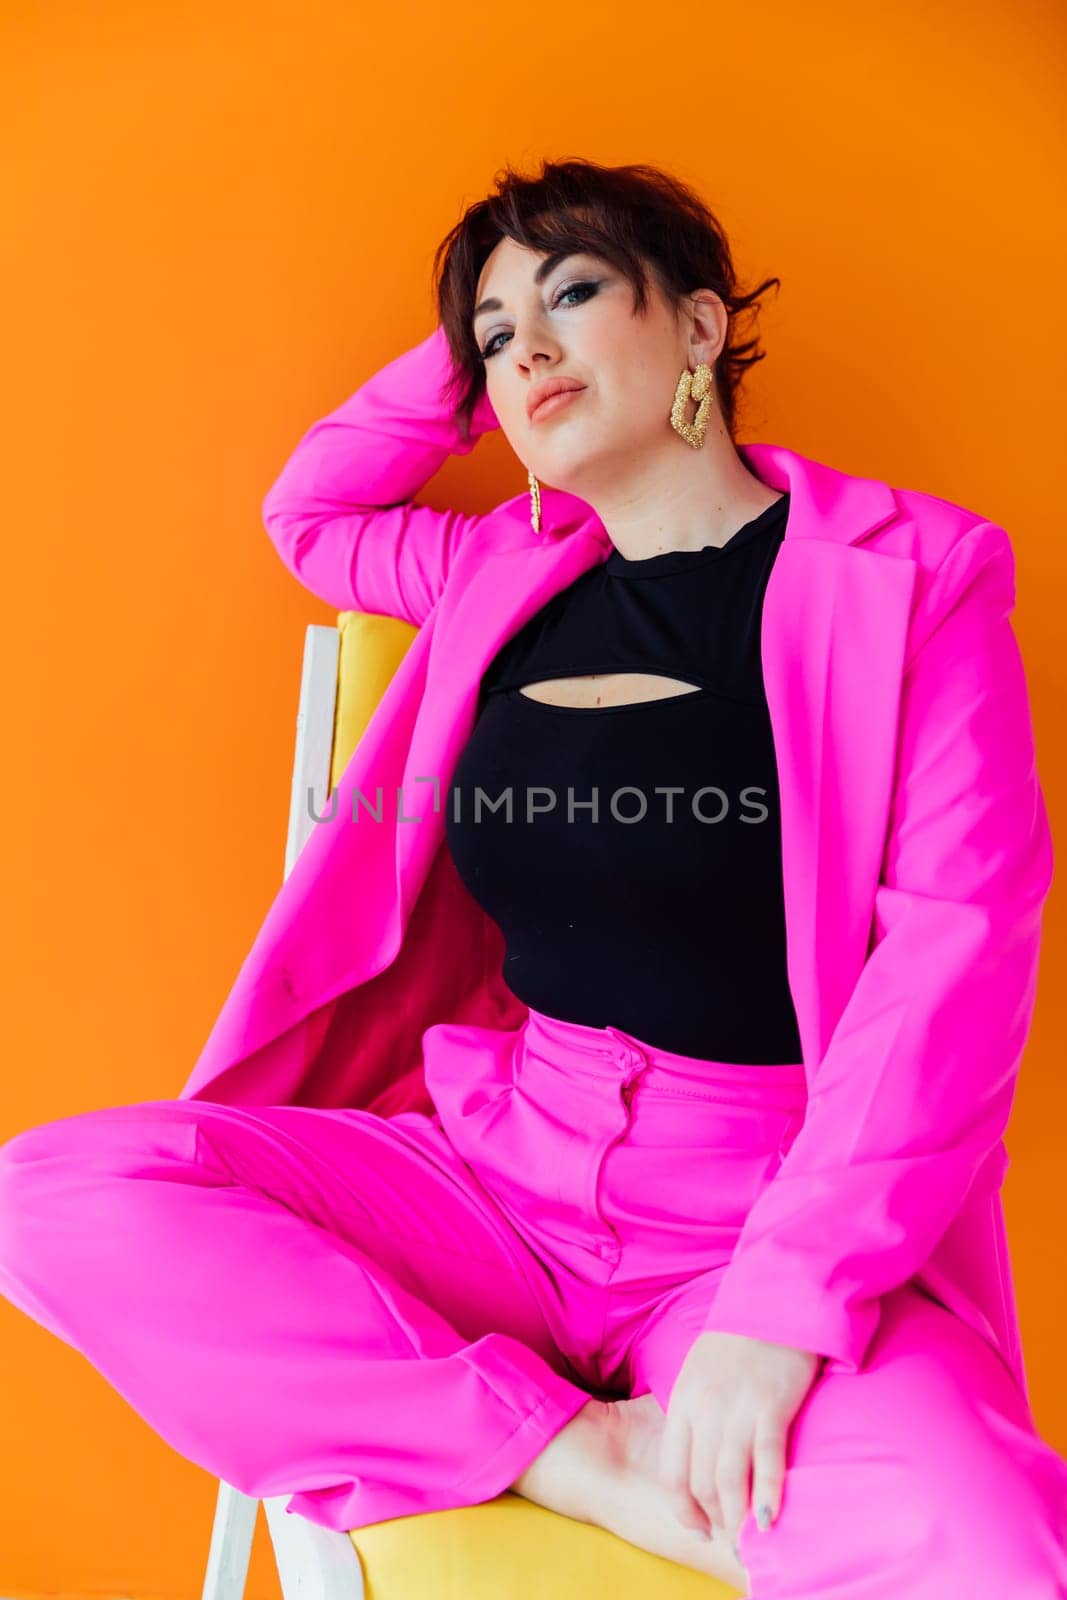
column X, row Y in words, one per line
column 916, row 852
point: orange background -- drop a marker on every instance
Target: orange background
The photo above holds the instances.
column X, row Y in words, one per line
column 223, row 218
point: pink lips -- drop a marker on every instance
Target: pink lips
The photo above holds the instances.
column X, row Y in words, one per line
column 552, row 402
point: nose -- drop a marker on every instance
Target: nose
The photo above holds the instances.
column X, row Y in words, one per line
column 533, row 349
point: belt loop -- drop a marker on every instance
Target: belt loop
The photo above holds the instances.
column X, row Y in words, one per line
column 626, row 1052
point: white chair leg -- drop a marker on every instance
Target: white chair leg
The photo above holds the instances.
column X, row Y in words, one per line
column 231, row 1544
column 314, row 1563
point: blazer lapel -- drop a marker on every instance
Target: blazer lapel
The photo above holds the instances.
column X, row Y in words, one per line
column 833, row 641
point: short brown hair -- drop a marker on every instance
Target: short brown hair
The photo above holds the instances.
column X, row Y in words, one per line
column 637, row 217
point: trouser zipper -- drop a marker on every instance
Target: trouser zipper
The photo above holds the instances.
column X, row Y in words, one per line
column 627, row 1090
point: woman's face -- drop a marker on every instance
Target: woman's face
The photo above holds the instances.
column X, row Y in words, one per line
column 579, row 322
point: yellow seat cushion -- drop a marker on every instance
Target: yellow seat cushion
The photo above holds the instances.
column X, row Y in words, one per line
column 507, row 1548
column 371, row 649
column 511, row 1549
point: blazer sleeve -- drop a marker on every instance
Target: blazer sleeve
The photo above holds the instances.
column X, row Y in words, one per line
column 341, row 514
column 915, row 1088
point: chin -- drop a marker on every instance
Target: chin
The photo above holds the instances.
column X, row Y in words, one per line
column 577, row 474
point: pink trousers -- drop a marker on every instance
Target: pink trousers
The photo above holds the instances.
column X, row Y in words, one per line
column 385, row 1316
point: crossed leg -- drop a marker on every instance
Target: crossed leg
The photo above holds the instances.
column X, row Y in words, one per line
column 300, row 1300
column 325, row 1303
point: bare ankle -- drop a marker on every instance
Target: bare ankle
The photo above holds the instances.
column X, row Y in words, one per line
column 566, row 1474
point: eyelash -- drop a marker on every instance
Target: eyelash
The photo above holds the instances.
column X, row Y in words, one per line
column 488, row 352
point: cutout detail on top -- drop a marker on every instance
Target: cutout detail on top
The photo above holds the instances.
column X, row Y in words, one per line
column 595, row 689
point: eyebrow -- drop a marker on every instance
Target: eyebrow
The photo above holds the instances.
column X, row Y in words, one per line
column 547, row 266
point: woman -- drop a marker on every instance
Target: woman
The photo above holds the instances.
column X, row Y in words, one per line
column 642, row 1156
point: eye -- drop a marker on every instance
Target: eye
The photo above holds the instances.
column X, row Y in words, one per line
column 492, row 347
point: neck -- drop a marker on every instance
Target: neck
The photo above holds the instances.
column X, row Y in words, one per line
column 683, row 499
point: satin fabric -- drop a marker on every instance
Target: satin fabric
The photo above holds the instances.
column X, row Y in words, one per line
column 916, row 846
column 384, row 1316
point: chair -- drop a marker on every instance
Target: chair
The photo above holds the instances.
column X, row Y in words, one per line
column 504, row 1549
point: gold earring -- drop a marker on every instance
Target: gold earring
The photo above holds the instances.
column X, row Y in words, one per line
column 698, row 386
column 535, row 502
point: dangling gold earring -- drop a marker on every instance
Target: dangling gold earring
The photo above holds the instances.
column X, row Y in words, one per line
column 535, row 502
column 697, row 385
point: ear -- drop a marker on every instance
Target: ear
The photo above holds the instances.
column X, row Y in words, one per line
column 709, row 326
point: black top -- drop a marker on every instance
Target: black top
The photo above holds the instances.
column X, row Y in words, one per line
column 658, row 913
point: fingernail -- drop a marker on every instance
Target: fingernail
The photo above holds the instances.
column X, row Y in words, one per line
column 763, row 1518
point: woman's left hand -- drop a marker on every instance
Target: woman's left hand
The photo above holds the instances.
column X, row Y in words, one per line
column 729, row 1415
